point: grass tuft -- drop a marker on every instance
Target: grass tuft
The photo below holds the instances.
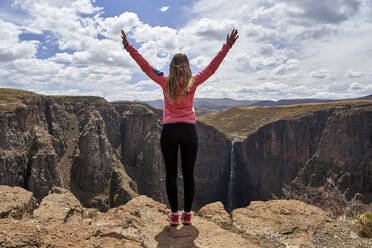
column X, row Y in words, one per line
column 363, row 223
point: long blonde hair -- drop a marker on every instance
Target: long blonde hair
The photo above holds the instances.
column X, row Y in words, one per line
column 179, row 67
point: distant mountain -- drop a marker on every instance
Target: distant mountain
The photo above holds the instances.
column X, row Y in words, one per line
column 155, row 103
column 208, row 103
column 290, row 101
column 225, row 103
column 369, row 97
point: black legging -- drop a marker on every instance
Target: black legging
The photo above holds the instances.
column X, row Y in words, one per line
column 181, row 135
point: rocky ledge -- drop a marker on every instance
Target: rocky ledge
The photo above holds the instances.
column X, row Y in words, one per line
column 61, row 221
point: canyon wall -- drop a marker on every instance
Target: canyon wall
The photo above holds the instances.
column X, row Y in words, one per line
column 108, row 153
column 63, row 141
column 306, row 151
column 343, row 154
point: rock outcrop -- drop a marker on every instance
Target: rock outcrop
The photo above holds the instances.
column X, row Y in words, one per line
column 285, row 223
column 61, row 221
column 16, row 202
column 61, row 206
column 68, row 142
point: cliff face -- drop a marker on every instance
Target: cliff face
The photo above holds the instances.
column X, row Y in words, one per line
column 63, row 141
column 29, row 153
column 304, row 152
column 343, row 154
column 140, row 127
column 273, row 156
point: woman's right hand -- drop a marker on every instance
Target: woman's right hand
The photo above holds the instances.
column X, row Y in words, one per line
column 124, row 37
column 232, row 37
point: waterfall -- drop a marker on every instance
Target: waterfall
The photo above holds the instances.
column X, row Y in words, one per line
column 231, row 178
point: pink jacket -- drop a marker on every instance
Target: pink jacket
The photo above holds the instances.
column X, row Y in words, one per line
column 182, row 111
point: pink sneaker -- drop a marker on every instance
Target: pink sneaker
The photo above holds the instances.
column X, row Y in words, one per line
column 172, row 218
column 186, row 218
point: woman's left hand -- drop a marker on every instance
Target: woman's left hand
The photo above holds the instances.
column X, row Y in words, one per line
column 232, row 37
column 124, row 37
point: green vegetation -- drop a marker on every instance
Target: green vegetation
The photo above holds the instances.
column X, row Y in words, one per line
column 77, row 99
column 363, row 223
column 7, row 94
column 241, row 121
column 13, row 97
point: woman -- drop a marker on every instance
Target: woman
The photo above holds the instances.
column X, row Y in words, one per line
column 179, row 119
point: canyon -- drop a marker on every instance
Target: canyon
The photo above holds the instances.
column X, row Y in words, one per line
column 104, row 153
column 109, row 153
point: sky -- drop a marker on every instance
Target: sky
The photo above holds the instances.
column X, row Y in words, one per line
column 286, row 48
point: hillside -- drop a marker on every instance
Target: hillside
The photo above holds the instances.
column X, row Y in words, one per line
column 242, row 121
column 369, row 97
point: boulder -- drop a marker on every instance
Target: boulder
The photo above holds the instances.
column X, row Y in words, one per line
column 291, row 223
column 216, row 213
column 16, row 202
column 59, row 206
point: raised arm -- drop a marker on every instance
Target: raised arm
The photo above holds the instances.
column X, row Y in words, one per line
column 217, row 60
column 150, row 71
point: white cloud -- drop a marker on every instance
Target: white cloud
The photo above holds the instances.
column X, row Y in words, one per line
column 269, row 56
column 211, row 29
column 110, row 27
column 282, row 48
column 320, row 74
column 260, row 33
column 356, row 86
column 98, row 55
column 200, row 61
column 318, row 12
column 11, row 48
column 63, row 19
column 34, row 7
column 270, row 86
column 354, row 74
column 288, row 66
column 164, row 8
